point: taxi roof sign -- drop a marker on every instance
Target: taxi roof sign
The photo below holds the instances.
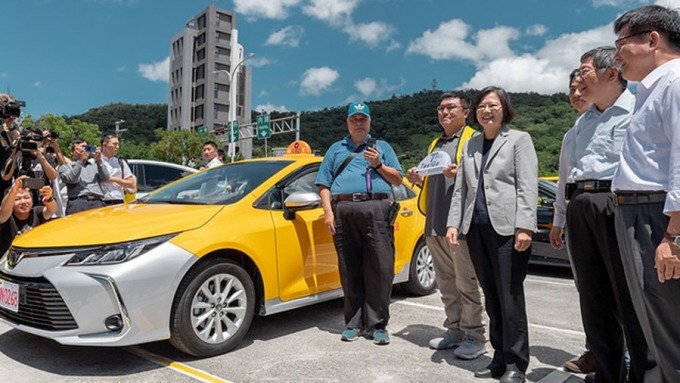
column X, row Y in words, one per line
column 297, row 148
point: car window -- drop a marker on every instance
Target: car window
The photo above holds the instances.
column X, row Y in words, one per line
column 301, row 180
column 402, row 192
column 221, row 185
column 157, row 176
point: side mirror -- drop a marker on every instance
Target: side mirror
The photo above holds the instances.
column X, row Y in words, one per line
column 547, row 202
column 300, row 201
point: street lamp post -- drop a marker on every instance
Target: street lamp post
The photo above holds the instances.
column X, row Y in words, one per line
column 232, row 103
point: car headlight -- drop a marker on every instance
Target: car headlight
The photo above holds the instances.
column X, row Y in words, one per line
column 118, row 253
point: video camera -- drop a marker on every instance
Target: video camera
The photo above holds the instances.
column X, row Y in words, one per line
column 12, row 109
column 30, row 137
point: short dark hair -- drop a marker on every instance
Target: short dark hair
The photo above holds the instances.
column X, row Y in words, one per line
column 508, row 110
column 460, row 95
column 652, row 18
column 77, row 142
column 106, row 138
column 603, row 58
column 572, row 76
column 211, row 143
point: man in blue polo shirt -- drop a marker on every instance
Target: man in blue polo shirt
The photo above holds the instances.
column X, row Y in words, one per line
column 354, row 182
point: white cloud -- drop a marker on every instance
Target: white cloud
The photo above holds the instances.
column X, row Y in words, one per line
column 259, row 62
column 156, row 72
column 335, row 12
column 536, row 30
column 288, row 36
column 615, row 3
column 372, row 33
column 545, row 71
column 372, row 88
column 317, row 80
column 37, row 84
column 448, row 42
column 268, row 9
column 263, row 93
column 269, row 107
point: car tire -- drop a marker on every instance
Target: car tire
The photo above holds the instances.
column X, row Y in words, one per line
column 421, row 274
column 203, row 325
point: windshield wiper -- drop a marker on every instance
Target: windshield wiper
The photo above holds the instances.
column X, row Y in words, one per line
column 177, row 202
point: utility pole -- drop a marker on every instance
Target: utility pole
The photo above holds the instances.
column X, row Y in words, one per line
column 118, row 129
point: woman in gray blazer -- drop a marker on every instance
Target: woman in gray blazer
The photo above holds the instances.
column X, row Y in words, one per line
column 494, row 205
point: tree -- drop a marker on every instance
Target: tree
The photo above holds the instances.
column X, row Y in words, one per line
column 180, row 146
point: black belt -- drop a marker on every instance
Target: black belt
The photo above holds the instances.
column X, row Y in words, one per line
column 594, row 185
column 87, row 197
column 356, row 197
column 113, row 201
column 587, row 186
column 639, row 197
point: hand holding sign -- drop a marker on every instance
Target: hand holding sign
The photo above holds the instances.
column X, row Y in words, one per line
column 433, row 164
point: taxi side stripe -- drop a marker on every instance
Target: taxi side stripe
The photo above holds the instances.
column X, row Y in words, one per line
column 177, row 366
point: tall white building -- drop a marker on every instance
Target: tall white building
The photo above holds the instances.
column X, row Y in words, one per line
column 200, row 63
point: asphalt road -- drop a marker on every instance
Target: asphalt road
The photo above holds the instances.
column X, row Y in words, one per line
column 304, row 346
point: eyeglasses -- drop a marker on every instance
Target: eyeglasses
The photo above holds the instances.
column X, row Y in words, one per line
column 584, row 72
column 447, row 108
column 490, row 106
column 618, row 43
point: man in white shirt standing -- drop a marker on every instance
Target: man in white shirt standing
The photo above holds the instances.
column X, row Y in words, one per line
column 210, row 154
column 647, row 182
column 121, row 176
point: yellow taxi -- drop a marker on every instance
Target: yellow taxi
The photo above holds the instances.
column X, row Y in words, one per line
column 193, row 261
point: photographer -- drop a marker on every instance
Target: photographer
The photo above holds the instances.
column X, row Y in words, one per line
column 83, row 177
column 31, row 160
column 18, row 214
column 9, row 134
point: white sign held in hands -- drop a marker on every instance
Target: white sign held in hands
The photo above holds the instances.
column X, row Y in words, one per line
column 433, row 164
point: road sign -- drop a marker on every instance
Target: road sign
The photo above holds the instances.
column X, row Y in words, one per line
column 202, row 129
column 233, row 135
column 263, row 126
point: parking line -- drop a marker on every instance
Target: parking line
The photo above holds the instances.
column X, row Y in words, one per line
column 542, row 327
column 177, row 366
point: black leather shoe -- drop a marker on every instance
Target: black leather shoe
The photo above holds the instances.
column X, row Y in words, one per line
column 491, row 371
column 511, row 376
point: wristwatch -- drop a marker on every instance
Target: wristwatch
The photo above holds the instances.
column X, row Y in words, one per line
column 378, row 166
column 674, row 239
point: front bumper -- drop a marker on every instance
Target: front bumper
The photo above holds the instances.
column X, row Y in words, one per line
column 70, row 304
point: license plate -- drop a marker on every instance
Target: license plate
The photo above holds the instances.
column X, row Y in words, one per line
column 9, row 295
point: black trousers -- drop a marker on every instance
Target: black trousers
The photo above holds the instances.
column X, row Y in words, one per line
column 606, row 308
column 639, row 229
column 501, row 271
column 364, row 241
column 81, row 204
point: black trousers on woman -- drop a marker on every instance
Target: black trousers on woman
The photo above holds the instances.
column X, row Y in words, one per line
column 501, row 271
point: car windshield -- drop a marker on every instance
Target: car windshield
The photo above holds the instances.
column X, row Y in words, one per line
column 218, row 186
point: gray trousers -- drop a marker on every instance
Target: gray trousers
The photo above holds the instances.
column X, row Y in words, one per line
column 639, row 229
column 458, row 285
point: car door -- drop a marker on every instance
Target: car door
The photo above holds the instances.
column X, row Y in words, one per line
column 305, row 254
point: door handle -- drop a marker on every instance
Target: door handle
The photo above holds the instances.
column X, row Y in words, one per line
column 406, row 213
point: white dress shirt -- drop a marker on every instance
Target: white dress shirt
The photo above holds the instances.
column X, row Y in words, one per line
column 591, row 148
column 650, row 158
column 113, row 191
column 214, row 162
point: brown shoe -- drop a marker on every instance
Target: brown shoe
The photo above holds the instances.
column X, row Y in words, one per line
column 590, row 377
column 584, row 364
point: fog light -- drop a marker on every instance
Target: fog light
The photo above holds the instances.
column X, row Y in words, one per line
column 114, row 323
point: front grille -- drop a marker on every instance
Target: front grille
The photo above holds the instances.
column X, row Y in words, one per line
column 40, row 305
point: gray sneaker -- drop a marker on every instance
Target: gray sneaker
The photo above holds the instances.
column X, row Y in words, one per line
column 449, row 340
column 470, row 348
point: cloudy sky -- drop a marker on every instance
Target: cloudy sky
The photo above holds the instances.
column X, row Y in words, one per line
column 65, row 57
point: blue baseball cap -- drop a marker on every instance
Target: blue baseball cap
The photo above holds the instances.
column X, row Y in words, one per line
column 358, row 108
